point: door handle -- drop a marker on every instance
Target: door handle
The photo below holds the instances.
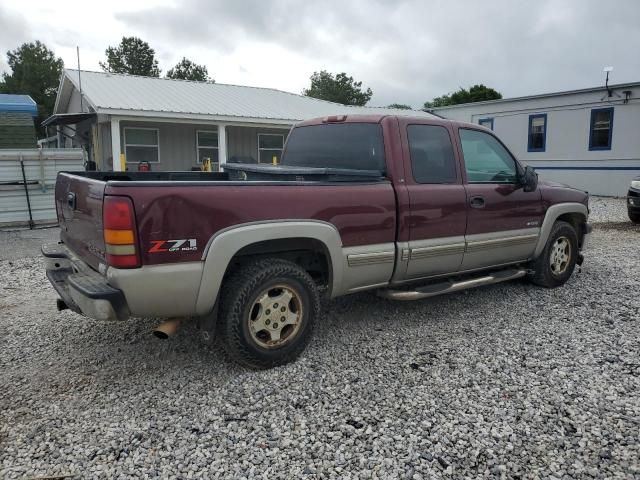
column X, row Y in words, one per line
column 476, row 202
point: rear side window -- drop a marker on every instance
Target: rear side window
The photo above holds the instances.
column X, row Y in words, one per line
column 485, row 159
column 356, row 146
column 432, row 159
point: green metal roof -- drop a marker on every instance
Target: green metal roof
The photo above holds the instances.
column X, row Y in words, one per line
column 17, row 130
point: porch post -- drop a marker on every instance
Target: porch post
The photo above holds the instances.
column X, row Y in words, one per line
column 222, row 144
column 115, row 144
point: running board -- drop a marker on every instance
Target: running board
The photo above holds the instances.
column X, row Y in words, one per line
column 441, row 288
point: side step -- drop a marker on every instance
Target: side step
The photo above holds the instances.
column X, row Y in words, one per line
column 449, row 286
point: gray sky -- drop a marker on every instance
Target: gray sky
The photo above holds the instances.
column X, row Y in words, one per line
column 406, row 51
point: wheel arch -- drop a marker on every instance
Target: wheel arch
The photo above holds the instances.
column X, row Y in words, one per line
column 309, row 253
column 574, row 213
column 278, row 238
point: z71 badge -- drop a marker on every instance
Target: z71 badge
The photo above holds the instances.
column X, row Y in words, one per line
column 183, row 245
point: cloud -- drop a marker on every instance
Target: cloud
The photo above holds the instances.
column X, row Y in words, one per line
column 407, row 51
column 410, row 51
column 13, row 31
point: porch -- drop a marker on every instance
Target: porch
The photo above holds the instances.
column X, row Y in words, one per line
column 170, row 145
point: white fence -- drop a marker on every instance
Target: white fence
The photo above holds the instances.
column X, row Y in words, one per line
column 40, row 169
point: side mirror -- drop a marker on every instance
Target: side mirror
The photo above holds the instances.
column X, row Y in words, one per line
column 529, row 179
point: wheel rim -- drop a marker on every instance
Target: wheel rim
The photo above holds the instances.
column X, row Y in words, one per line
column 276, row 316
column 560, row 255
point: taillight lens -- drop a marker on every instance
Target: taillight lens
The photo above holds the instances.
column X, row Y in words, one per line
column 119, row 226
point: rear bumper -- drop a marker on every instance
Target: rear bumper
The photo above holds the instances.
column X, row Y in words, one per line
column 83, row 290
column 164, row 291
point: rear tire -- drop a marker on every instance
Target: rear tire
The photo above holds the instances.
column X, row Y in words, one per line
column 268, row 312
column 633, row 216
column 557, row 261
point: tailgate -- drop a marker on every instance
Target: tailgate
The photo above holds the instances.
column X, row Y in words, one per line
column 79, row 208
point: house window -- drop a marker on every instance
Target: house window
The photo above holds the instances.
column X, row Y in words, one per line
column 601, row 129
column 270, row 145
column 537, row 133
column 207, row 145
column 141, row 145
column 486, row 123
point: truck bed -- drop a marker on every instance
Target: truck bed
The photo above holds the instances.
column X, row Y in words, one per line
column 194, row 206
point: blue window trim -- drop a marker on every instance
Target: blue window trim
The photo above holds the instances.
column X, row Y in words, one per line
column 593, row 116
column 488, row 119
column 544, row 133
column 587, row 168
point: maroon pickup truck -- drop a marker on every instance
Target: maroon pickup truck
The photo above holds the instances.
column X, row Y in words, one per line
column 411, row 207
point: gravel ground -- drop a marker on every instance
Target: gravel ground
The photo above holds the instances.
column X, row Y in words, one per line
column 608, row 210
column 508, row 381
column 21, row 243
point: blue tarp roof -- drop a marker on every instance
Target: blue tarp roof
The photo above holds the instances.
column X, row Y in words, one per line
column 18, row 103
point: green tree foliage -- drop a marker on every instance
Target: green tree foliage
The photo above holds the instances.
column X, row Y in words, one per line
column 35, row 71
column 185, row 69
column 442, row 101
column 133, row 56
column 399, row 106
column 477, row 93
column 339, row 88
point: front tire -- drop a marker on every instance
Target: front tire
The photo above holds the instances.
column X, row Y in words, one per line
column 634, row 216
column 557, row 261
column 268, row 312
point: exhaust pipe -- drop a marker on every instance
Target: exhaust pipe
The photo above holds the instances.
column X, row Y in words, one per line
column 167, row 329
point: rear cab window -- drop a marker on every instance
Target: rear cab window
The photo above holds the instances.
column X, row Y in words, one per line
column 485, row 158
column 432, row 157
column 356, row 146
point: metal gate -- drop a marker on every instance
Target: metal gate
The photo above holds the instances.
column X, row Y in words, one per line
column 27, row 180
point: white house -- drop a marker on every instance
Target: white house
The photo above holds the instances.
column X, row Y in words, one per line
column 174, row 124
column 587, row 138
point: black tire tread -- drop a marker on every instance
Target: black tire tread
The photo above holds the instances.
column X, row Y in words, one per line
column 235, row 292
column 542, row 275
column 634, row 217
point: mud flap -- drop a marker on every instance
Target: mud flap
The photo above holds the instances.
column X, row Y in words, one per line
column 207, row 325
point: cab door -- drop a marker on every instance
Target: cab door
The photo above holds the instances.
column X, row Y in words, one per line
column 503, row 221
column 437, row 201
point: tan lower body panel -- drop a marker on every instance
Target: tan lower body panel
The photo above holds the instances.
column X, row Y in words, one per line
column 159, row 290
column 367, row 266
column 486, row 250
column 434, row 256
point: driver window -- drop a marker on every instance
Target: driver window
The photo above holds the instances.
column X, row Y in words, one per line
column 485, row 159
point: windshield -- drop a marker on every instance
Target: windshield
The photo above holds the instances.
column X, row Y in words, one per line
column 347, row 145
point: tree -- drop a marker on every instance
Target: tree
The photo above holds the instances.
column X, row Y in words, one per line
column 477, row 93
column 442, row 101
column 35, row 71
column 133, row 56
column 188, row 70
column 339, row 88
column 399, row 106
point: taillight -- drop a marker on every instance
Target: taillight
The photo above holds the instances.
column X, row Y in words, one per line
column 119, row 225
